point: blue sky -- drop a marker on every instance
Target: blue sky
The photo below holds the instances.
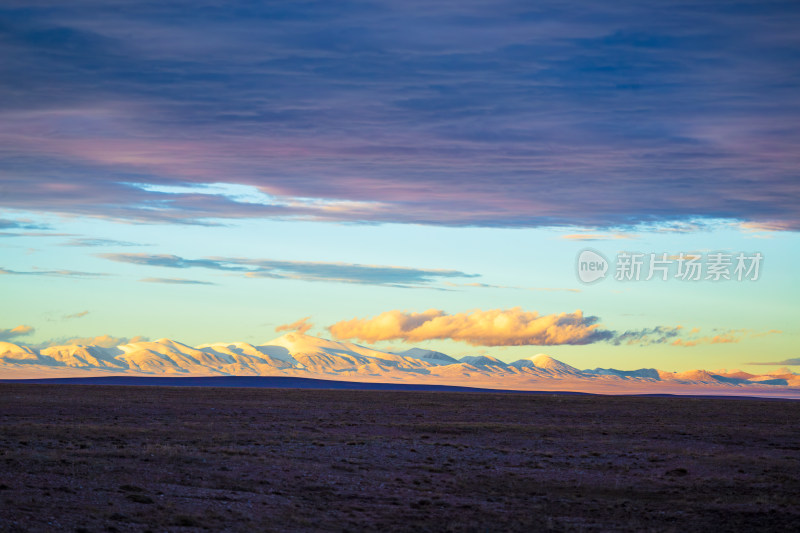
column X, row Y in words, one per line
column 209, row 171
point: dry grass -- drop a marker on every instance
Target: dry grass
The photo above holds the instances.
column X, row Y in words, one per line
column 93, row 458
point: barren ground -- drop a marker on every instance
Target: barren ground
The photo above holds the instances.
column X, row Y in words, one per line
column 99, row 458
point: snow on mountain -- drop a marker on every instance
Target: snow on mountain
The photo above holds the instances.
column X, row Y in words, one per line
column 458, row 370
column 483, row 360
column 547, row 364
column 701, row 376
column 13, row 352
column 168, row 356
column 648, row 373
column 431, row 356
column 296, row 354
column 726, row 379
column 246, row 354
column 321, row 355
column 776, row 377
column 771, row 381
column 81, row 356
column 733, row 374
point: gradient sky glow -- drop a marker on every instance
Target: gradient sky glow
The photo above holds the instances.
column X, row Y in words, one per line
column 210, row 171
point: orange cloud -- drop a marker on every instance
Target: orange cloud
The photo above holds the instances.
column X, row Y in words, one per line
column 765, row 333
column 6, row 334
column 766, row 226
column 511, row 327
column 725, row 338
column 301, row 326
column 731, row 336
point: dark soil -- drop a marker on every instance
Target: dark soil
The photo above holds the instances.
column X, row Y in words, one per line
column 101, row 458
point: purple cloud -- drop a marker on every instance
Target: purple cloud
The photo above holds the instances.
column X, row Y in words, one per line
column 456, row 114
column 390, row 276
column 176, row 281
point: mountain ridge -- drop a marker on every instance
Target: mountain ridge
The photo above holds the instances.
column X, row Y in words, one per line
column 299, row 355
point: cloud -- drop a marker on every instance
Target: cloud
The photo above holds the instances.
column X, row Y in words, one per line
column 795, row 361
column 176, row 281
column 19, row 331
column 596, row 236
column 34, row 234
column 171, row 261
column 76, row 315
column 491, row 286
column 6, row 224
column 300, row 326
column 646, row 336
column 59, row 273
column 511, row 327
column 766, row 226
column 390, row 276
column 459, row 114
column 765, row 333
column 515, row 327
column 98, row 242
column 730, row 336
column 104, row 341
column 724, row 338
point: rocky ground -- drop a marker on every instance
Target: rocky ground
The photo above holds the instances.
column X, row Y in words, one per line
column 99, row 458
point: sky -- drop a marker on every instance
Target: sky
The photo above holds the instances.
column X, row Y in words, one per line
column 405, row 174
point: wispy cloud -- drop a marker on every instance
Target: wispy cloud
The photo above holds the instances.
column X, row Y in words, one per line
column 301, row 326
column 6, row 224
column 176, row 281
column 596, row 236
column 34, row 234
column 76, row 315
column 795, row 361
column 515, row 287
column 172, row 261
column 19, row 331
column 59, row 273
column 104, row 341
column 646, row 336
column 729, row 336
column 766, row 227
column 392, row 276
column 99, row 242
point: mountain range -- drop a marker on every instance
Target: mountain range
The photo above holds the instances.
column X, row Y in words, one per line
column 299, row 355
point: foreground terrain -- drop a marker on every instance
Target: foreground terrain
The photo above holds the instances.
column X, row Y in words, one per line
column 100, row 458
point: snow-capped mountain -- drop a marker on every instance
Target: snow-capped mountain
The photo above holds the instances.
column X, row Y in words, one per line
column 295, row 354
column 429, row 355
column 547, row 364
column 483, row 360
column 640, row 373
